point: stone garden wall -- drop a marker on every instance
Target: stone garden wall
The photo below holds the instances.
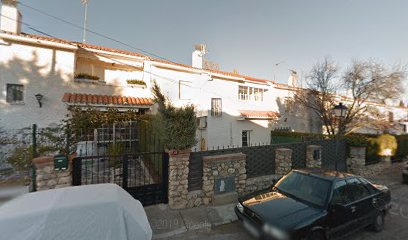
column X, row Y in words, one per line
column 356, row 163
column 217, row 168
column 178, row 179
column 283, row 161
column 259, row 183
column 49, row 178
column 314, row 156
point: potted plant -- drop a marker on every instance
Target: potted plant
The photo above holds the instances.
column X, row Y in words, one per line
column 136, row 83
column 85, row 77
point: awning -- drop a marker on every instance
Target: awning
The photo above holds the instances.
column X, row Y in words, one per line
column 82, row 99
column 259, row 115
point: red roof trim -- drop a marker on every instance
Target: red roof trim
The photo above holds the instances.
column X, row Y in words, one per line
column 259, row 114
column 91, row 99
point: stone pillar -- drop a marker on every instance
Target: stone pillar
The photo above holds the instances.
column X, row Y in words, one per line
column 386, row 161
column 314, row 156
column 356, row 161
column 218, row 167
column 49, row 178
column 178, row 178
column 283, row 161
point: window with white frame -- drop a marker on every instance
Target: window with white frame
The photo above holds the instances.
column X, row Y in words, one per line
column 216, row 107
column 15, row 93
column 243, row 93
column 250, row 93
column 246, row 138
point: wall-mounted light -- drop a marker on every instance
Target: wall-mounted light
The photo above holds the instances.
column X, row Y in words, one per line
column 39, row 98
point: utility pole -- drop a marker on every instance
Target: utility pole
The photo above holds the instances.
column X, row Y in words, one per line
column 85, row 3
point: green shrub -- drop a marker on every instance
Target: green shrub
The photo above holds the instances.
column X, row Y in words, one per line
column 297, row 134
column 291, row 137
column 402, row 150
column 175, row 126
column 387, row 145
column 21, row 158
column 357, row 140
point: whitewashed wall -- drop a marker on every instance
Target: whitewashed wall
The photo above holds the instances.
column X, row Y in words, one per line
column 49, row 71
column 199, row 88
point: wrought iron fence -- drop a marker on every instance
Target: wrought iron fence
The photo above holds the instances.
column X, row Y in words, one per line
column 261, row 159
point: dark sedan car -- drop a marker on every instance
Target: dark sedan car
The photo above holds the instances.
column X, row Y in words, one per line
column 314, row 204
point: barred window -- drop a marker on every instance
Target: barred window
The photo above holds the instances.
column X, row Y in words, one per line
column 15, row 93
column 216, row 107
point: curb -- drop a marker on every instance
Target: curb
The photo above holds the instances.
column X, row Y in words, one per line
column 170, row 234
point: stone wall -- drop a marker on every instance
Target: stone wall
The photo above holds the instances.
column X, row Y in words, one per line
column 226, row 165
column 49, row 178
column 259, row 183
column 178, row 178
column 283, row 161
column 313, row 161
column 356, row 163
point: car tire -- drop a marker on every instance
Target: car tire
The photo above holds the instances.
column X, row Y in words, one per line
column 316, row 235
column 378, row 222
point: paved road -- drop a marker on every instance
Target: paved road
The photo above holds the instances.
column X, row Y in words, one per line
column 7, row 193
column 396, row 227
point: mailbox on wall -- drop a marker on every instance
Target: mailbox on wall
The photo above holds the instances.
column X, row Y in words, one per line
column 60, row 162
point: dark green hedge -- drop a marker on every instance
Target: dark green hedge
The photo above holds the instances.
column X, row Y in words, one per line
column 402, row 150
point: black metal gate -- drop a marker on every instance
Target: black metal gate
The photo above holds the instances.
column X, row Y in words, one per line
column 128, row 154
column 143, row 175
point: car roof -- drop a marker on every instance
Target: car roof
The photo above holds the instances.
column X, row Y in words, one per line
column 330, row 175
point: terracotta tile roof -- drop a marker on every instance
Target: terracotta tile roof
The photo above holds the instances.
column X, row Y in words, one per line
column 114, row 50
column 259, row 114
column 91, row 99
column 247, row 78
column 83, row 45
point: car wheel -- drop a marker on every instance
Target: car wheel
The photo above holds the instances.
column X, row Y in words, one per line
column 378, row 223
column 316, row 235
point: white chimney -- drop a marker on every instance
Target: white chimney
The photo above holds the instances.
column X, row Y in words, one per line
column 293, row 78
column 11, row 17
column 198, row 54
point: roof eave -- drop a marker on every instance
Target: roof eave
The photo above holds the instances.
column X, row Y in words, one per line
column 18, row 38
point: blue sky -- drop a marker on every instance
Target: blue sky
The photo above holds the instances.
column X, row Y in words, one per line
column 248, row 35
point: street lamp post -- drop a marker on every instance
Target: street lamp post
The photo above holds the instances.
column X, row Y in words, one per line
column 340, row 111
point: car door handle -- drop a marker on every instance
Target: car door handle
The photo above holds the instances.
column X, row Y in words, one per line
column 353, row 209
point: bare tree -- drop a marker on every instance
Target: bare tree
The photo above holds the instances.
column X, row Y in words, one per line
column 366, row 83
column 210, row 65
column 369, row 82
column 319, row 96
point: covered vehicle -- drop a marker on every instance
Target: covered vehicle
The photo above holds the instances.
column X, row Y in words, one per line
column 103, row 211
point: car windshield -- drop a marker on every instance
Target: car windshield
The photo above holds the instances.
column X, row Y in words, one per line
column 305, row 187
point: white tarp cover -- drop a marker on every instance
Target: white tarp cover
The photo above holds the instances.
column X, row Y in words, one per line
column 92, row 212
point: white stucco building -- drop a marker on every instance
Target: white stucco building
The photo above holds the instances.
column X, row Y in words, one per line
column 233, row 109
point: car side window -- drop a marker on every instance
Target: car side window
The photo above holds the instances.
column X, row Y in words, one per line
column 368, row 185
column 340, row 193
column 356, row 190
